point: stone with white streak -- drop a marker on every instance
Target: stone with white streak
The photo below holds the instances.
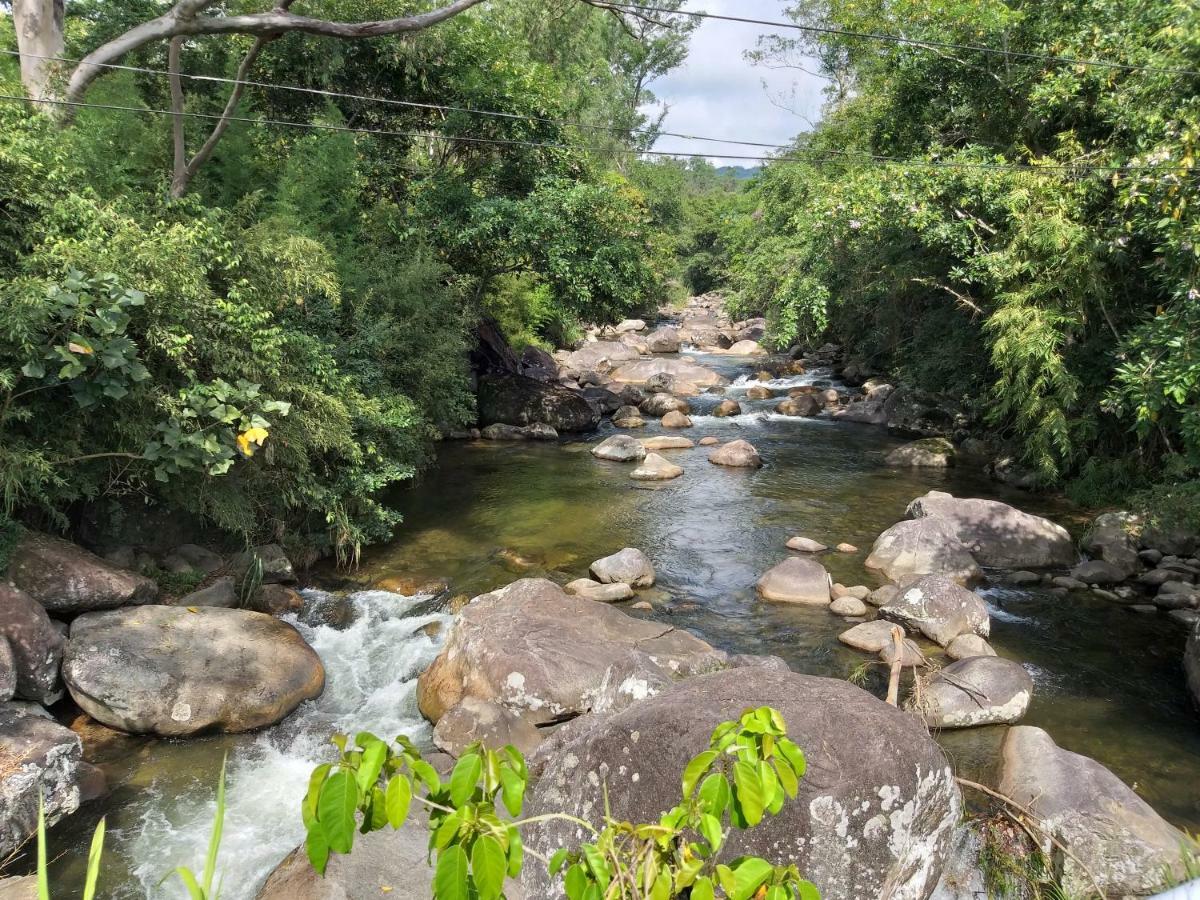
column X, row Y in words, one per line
column 980, row 690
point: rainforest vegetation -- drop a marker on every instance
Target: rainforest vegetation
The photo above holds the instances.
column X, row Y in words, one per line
column 271, row 344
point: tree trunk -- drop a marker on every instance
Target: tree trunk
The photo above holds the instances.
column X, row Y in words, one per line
column 39, row 25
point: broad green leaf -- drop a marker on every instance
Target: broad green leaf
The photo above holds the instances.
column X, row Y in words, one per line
column 447, row 830
column 749, row 791
column 557, row 860
column 748, row 876
column 726, row 877
column 787, row 778
column 703, row 889
column 317, row 847
column 575, row 882
column 598, row 865
column 489, row 866
column 335, row 811
column 794, row 756
column 807, row 890
column 397, row 800
column 710, row 827
column 427, row 774
column 696, row 768
column 512, row 790
column 464, row 778
column 661, row 889
column 451, row 876
column 715, row 794
column 371, row 765
column 516, row 852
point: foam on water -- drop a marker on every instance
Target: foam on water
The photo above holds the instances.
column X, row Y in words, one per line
column 371, row 669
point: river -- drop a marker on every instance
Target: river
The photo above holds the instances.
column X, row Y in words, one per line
column 1108, row 682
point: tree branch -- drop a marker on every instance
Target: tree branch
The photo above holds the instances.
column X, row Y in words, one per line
column 179, row 156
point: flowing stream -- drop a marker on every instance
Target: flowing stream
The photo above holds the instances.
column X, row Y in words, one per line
column 1108, row 682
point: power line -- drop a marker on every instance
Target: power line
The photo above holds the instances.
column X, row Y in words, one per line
column 405, row 103
column 425, row 135
column 900, row 39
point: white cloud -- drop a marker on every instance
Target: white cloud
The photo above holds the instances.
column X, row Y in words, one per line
column 718, row 93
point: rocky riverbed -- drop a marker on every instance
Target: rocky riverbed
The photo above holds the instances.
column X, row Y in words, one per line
column 672, row 509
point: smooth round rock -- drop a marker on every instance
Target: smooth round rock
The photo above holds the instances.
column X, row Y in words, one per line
column 805, row 545
column 656, row 468
column 620, row 448
column 676, row 419
column 981, row 690
column 736, row 454
column 848, row 606
column 629, row 566
column 799, row 579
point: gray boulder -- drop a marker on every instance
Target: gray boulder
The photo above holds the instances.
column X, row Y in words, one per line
column 600, row 356
column 601, row 593
column 939, row 608
column 875, row 814
column 1098, row 571
column 687, row 377
column 481, row 720
column 870, row 637
column 997, row 534
column 543, row 654
column 517, row 400
column 35, row 646
column 980, row 690
column 798, row 579
column 663, row 340
column 68, row 580
column 169, row 671
column 620, row 448
column 737, row 455
column 629, row 566
column 37, row 755
column 222, row 592
column 923, row 547
column 1124, row 843
column 727, row 408
column 656, row 468
column 929, row 453
column 967, row 645
column 1111, row 539
column 660, row 404
column 276, row 568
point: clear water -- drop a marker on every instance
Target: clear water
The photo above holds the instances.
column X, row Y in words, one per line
column 1109, row 683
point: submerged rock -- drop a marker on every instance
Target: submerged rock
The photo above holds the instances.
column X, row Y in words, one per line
column 875, row 814
column 1124, row 844
column 66, row 579
column 543, row 654
column 799, row 579
column 980, row 690
column 34, row 645
column 736, row 454
column 923, row 547
column 656, row 468
column 687, row 377
column 37, row 757
column 629, row 566
column 939, row 608
column 620, row 448
column 170, row 671
column 997, row 534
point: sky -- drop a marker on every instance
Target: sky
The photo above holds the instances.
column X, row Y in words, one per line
column 718, row 93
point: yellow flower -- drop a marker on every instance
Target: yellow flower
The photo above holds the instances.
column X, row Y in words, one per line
column 249, row 439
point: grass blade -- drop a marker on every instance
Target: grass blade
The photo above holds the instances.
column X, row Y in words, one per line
column 43, row 880
column 93, row 863
column 214, row 842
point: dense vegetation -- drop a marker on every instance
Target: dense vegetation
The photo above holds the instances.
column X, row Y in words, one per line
column 1060, row 302
column 273, row 350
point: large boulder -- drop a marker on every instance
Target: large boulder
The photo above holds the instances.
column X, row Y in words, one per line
column 663, row 340
column 923, row 547
column 37, row 757
column 688, row 377
column 875, row 813
column 1123, row 843
column 938, row 608
column 997, row 534
column 930, row 453
column 172, row 671
column 1191, row 663
column 600, row 356
column 68, row 580
column 798, row 579
column 737, row 454
column 1110, row 539
column 34, row 644
column 543, row 654
column 864, row 410
column 662, row 403
column 517, row 400
column 922, row 414
column 629, row 566
column 980, row 690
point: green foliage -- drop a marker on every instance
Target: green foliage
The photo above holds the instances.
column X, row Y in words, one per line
column 202, row 888
column 749, row 771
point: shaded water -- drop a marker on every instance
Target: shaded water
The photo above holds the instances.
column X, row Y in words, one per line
column 1109, row 683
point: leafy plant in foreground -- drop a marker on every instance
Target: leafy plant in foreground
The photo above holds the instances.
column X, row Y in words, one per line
column 748, row 771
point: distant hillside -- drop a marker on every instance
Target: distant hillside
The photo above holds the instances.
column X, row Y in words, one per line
column 741, row 173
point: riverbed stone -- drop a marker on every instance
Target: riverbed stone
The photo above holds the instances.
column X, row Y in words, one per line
column 542, row 653
column 656, row 468
column 1112, row 831
column 600, row 356
column 518, row 400
column 929, row 453
column 709, row 441
column 727, row 408
column 1098, row 571
column 37, row 755
column 798, row 579
column 939, row 608
column 967, row 645
column 803, row 406
column 875, row 814
column 882, row 595
column 659, row 405
column 997, row 534
column 192, row 558
column 979, row 690
column 870, row 636
column 668, row 442
column 481, row 720
column 629, row 566
column 737, row 454
column 172, row 671
column 688, row 378
column 663, row 340
column 910, row 654
column 276, row 568
column 1111, row 538
column 1191, row 663
column 746, row 348
column 676, row 419
column 805, row 545
column 848, row 606
column 35, row 646
column 758, row 392
column 923, row 547
column 67, row 580
column 620, row 448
